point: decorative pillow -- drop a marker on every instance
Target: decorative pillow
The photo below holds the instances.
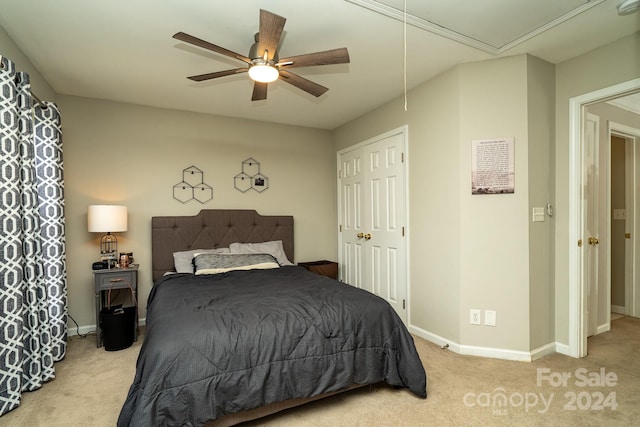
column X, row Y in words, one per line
column 183, row 261
column 273, row 248
column 209, row 263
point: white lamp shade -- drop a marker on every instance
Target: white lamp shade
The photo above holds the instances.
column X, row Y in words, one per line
column 107, row 218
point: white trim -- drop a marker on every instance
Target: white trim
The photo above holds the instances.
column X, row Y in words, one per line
column 82, row 330
column 544, row 350
column 434, row 28
column 407, row 225
column 494, row 353
column 562, row 348
column 605, row 327
column 608, row 225
column 618, row 309
column 576, row 300
column 436, row 339
column 404, row 132
column 577, row 337
column 632, row 135
column 72, row 330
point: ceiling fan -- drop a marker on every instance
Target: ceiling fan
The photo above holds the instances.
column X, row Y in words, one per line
column 264, row 66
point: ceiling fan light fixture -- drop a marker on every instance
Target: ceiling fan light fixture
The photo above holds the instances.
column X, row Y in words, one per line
column 627, row 7
column 263, row 73
column 266, row 67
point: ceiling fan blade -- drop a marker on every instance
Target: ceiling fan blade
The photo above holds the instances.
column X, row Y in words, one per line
column 209, row 46
column 259, row 91
column 300, row 82
column 271, row 26
column 209, row 76
column 327, row 57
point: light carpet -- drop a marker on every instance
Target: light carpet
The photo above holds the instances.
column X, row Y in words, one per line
column 600, row 389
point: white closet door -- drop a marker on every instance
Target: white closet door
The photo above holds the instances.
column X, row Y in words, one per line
column 372, row 203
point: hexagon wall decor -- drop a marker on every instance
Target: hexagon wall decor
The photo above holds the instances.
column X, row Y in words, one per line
column 192, row 187
column 250, row 178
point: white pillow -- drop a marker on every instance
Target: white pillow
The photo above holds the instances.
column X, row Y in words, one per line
column 183, row 260
column 272, row 248
column 209, row 263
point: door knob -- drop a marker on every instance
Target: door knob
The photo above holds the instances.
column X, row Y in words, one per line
column 360, row 235
column 367, row 236
column 593, row 241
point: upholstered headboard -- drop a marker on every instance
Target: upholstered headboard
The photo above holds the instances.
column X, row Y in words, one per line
column 214, row 228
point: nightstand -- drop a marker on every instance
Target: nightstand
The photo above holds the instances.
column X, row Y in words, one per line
column 114, row 278
column 324, row 268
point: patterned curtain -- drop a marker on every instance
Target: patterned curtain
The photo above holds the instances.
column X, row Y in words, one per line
column 33, row 302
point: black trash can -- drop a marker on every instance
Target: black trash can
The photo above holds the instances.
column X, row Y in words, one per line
column 118, row 327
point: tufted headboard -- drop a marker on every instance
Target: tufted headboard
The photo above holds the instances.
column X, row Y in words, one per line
column 214, row 228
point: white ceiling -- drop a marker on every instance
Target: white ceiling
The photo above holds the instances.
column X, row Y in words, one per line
column 629, row 103
column 122, row 50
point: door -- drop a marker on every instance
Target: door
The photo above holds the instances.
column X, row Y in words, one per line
column 372, row 215
column 577, row 286
column 590, row 184
column 628, row 247
column 620, row 208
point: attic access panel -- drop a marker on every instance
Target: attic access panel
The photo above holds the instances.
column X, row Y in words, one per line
column 493, row 26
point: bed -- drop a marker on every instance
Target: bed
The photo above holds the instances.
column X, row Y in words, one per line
column 246, row 333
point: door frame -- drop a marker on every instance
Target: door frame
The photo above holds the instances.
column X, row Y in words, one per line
column 404, row 132
column 577, row 293
column 632, row 138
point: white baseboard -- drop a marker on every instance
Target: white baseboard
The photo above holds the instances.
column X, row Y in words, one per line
column 495, row 353
column 618, row 309
column 562, row 349
column 544, row 350
column 72, row 330
column 603, row 328
column 436, row 339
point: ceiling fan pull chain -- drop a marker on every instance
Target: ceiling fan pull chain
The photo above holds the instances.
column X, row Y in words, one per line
column 404, row 27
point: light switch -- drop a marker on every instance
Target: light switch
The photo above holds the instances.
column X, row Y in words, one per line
column 538, row 214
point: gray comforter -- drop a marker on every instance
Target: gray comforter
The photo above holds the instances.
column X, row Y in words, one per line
column 218, row 344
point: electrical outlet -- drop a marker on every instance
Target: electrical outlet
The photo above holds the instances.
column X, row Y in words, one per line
column 474, row 317
column 490, row 317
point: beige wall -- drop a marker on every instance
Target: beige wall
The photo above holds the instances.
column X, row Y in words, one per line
column 134, row 155
column 434, row 209
column 465, row 252
column 603, row 67
column 39, row 85
column 533, row 289
column 541, row 157
column 472, row 251
column 494, row 265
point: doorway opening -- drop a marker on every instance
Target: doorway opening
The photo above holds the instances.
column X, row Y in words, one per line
column 578, row 320
column 625, row 291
